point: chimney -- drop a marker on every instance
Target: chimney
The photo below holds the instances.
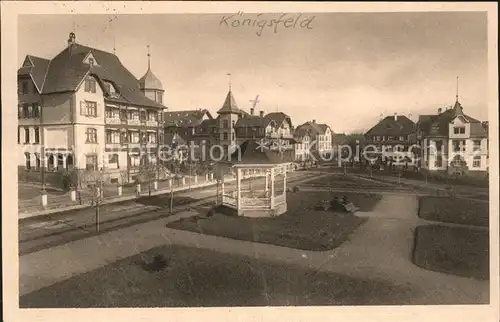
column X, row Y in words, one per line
column 395, row 116
column 261, row 113
column 71, row 39
column 252, row 111
column 440, row 110
column 314, row 121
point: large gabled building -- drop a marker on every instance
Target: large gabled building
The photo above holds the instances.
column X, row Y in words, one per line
column 452, row 141
column 392, row 140
column 83, row 109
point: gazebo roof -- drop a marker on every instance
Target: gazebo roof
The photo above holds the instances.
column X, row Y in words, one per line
column 255, row 154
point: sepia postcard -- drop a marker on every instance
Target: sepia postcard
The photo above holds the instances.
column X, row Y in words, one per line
column 249, row 161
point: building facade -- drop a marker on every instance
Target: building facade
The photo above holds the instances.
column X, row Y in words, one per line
column 453, row 142
column 320, row 136
column 392, row 141
column 83, row 109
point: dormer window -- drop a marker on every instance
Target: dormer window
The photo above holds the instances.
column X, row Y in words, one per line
column 90, row 84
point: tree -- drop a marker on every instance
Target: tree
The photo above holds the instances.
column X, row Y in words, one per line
column 94, row 181
column 148, row 173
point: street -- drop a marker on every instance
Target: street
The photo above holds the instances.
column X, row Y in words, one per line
column 43, row 232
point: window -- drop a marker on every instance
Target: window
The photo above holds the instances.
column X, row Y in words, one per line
column 123, row 115
column 458, row 145
column 123, row 137
column 90, row 85
column 35, row 110
column 107, row 87
column 225, row 137
column 459, row 130
column 37, row 135
column 91, row 61
column 18, row 135
column 88, row 108
column 109, row 113
column 112, row 136
column 233, row 123
column 477, row 145
column 113, row 161
column 27, row 158
column 143, row 115
column 26, row 135
column 225, row 124
column 476, row 162
column 133, row 115
column 439, row 146
column 26, row 111
column 152, row 116
column 160, row 98
column 234, row 136
column 91, row 135
column 438, row 163
column 91, row 162
column 37, row 162
column 401, row 138
column 135, row 161
column 134, row 137
column 152, row 138
column 24, row 87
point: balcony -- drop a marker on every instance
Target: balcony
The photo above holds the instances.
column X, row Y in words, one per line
column 113, row 120
column 152, row 123
column 277, row 135
column 134, row 122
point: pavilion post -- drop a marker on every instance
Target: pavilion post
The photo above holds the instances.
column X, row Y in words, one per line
column 238, row 190
column 267, row 181
column 272, row 188
column 284, row 182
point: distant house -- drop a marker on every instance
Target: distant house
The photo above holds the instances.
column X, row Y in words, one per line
column 321, row 139
column 453, row 141
column 392, row 141
column 303, row 143
column 197, row 128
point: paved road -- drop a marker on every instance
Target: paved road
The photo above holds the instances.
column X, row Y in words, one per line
column 43, row 232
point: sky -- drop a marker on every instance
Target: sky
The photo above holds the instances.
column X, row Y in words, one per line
column 342, row 69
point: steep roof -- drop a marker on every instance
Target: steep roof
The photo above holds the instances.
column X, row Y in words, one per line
column 315, row 128
column 150, row 81
column 229, row 105
column 252, row 121
column 391, row 127
column 254, row 153
column 278, row 117
column 438, row 125
column 67, row 70
column 185, row 118
column 36, row 68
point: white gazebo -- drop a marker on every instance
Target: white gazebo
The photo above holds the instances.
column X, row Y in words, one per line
column 252, row 159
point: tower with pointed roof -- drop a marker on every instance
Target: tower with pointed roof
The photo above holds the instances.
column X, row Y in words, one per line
column 150, row 85
column 229, row 114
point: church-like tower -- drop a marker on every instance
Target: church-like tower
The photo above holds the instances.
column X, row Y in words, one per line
column 150, row 85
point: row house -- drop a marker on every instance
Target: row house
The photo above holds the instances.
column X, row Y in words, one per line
column 453, row 142
column 84, row 109
column 392, row 141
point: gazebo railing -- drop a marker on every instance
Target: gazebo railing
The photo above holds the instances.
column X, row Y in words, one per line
column 229, row 201
column 255, row 203
column 279, row 199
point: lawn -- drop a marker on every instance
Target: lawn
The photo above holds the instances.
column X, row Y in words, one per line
column 203, row 278
column 453, row 250
column 346, row 181
column 301, row 227
column 454, row 210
